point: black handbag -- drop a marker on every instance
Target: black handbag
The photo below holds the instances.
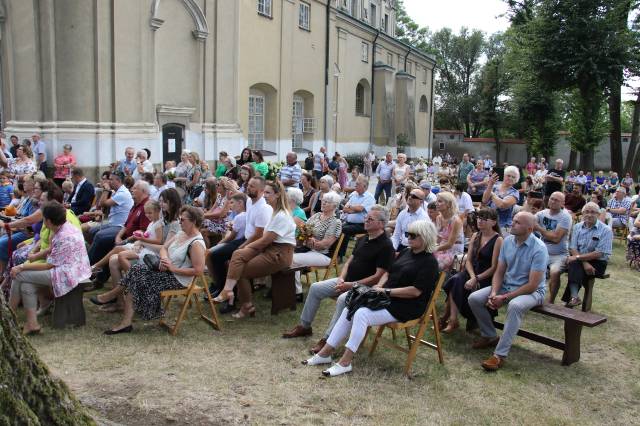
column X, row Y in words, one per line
column 361, row 296
column 152, row 261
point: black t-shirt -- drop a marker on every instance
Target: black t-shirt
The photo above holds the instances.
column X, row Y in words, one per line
column 551, row 187
column 417, row 270
column 369, row 255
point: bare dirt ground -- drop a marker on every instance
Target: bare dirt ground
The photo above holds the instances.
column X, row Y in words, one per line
column 247, row 374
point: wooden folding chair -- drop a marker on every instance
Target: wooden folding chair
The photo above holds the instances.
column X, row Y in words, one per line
column 191, row 294
column 332, row 264
column 413, row 341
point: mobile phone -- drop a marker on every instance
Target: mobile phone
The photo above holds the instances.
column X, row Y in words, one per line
column 500, row 172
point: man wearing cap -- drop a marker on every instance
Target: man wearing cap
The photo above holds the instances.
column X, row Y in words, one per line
column 291, row 173
column 410, row 214
column 619, row 207
column 429, row 196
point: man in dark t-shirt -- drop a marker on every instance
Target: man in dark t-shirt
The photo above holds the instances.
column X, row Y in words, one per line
column 554, row 179
column 371, row 258
column 574, row 201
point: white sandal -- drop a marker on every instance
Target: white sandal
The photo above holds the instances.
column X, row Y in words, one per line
column 336, row 370
column 317, row 360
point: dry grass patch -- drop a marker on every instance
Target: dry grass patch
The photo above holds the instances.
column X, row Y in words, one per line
column 247, row 374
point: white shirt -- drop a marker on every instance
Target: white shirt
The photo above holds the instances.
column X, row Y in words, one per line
column 147, row 167
column 465, row 204
column 404, row 219
column 258, row 216
column 78, row 186
column 282, row 224
column 428, row 200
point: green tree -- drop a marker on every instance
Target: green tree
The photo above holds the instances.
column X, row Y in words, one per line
column 408, row 31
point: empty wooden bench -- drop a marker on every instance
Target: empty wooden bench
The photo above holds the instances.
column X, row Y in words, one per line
column 574, row 320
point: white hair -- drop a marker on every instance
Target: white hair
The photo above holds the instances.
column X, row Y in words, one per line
column 514, row 170
column 143, row 186
column 142, row 154
column 328, row 179
column 295, row 195
column 427, row 231
column 332, row 197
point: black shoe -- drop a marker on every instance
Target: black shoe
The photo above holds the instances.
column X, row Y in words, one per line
column 267, row 295
column 127, row 329
column 299, row 297
column 226, row 308
column 95, row 301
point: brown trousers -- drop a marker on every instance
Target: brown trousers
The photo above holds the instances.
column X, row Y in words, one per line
column 247, row 263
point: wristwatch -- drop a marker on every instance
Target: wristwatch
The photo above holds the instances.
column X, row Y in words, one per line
column 387, row 291
column 578, row 257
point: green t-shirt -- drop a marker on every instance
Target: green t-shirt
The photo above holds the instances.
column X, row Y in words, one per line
column 261, row 168
column 220, row 170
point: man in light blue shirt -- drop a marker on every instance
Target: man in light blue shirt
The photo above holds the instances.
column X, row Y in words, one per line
column 519, row 283
column 39, row 149
column 291, row 173
column 410, row 214
column 356, row 209
column 129, row 164
column 385, row 175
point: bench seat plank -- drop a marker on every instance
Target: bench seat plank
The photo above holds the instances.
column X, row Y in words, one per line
column 588, row 319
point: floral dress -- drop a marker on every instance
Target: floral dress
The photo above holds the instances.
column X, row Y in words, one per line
column 20, row 169
column 69, row 259
column 445, row 258
column 217, row 226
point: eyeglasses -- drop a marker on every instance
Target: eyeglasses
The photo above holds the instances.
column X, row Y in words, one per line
column 411, row 235
column 182, row 219
column 415, row 197
column 370, row 219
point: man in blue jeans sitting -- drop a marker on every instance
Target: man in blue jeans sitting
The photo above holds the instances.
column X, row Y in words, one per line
column 518, row 283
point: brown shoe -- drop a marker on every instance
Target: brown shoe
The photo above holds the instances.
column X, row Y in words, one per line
column 318, row 347
column 485, row 342
column 493, row 363
column 298, row 331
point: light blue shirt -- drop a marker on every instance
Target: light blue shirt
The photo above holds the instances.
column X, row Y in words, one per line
column 120, row 211
column 587, row 240
column 385, row 170
column 365, row 200
column 404, row 219
column 521, row 259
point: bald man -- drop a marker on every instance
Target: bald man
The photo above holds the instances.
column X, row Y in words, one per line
column 518, row 283
column 291, row 173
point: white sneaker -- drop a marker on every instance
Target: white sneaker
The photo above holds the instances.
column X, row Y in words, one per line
column 336, row 370
column 317, row 360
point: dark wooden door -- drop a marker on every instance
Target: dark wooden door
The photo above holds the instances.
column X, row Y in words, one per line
column 172, row 142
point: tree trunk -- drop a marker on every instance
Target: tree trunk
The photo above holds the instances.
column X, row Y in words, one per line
column 573, row 159
column 28, row 393
column 496, row 136
column 586, row 160
column 615, row 137
column 633, row 158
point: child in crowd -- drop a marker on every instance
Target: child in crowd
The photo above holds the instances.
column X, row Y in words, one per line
column 6, row 190
column 139, row 243
column 18, row 193
column 67, row 191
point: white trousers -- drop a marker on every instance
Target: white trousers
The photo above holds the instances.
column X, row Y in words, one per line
column 310, row 258
column 357, row 327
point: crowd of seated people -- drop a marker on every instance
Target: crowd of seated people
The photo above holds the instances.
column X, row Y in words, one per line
column 239, row 226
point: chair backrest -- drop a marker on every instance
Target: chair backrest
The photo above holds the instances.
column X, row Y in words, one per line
column 436, row 293
column 335, row 247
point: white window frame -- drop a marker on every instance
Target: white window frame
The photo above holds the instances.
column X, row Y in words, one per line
column 265, row 7
column 297, row 125
column 304, row 16
column 255, row 134
column 364, row 51
column 373, row 14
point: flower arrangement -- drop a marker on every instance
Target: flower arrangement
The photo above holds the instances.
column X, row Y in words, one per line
column 274, row 169
column 304, row 232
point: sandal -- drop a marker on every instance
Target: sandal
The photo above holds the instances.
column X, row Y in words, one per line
column 451, row 326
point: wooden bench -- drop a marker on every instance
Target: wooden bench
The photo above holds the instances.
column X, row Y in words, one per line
column 283, row 290
column 588, row 290
column 573, row 322
column 69, row 309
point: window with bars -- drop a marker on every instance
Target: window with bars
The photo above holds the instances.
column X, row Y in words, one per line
column 256, row 122
column 264, row 7
column 359, row 99
column 365, row 52
column 297, row 128
column 304, row 17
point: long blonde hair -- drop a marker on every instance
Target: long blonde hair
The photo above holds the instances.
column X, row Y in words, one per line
column 282, row 203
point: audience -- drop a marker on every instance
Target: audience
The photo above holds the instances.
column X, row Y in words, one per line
column 406, row 217
column 619, row 206
column 355, row 211
column 502, row 196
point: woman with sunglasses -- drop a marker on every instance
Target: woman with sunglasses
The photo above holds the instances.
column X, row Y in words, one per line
column 481, row 263
column 265, row 256
column 181, row 259
column 502, row 196
column 408, row 284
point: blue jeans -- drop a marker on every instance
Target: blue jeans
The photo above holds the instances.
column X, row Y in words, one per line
column 103, row 241
column 380, row 187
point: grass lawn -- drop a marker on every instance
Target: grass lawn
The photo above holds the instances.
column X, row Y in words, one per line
column 248, row 374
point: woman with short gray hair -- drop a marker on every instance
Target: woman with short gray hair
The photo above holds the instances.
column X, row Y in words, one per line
column 409, row 285
column 320, row 232
column 325, row 184
column 502, row 196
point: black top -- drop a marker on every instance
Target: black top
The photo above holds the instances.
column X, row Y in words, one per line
column 307, row 198
column 308, row 163
column 551, row 187
column 369, row 255
column 483, row 258
column 417, row 270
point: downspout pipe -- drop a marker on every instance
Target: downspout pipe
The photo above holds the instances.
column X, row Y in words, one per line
column 373, row 77
column 326, row 74
column 405, row 60
column 432, row 106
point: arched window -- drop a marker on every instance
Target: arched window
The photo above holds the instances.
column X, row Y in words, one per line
column 424, row 105
column 359, row 99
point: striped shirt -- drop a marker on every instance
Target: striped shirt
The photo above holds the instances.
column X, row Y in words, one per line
column 291, row 172
column 323, row 228
column 624, row 203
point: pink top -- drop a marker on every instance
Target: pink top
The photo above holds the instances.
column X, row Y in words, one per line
column 60, row 163
column 69, row 259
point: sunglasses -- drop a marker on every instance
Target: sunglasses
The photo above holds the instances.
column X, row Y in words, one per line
column 415, row 197
column 411, row 235
column 182, row 219
column 370, row 219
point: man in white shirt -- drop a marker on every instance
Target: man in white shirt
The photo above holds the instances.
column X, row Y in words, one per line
column 437, row 162
column 356, row 209
column 143, row 165
column 410, row 214
column 39, row 149
column 257, row 218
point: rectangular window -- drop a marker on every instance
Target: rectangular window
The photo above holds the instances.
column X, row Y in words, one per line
column 264, row 7
column 386, row 23
column 304, row 18
column 256, row 122
column 441, row 146
column 365, row 52
column 373, row 19
column 390, row 59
